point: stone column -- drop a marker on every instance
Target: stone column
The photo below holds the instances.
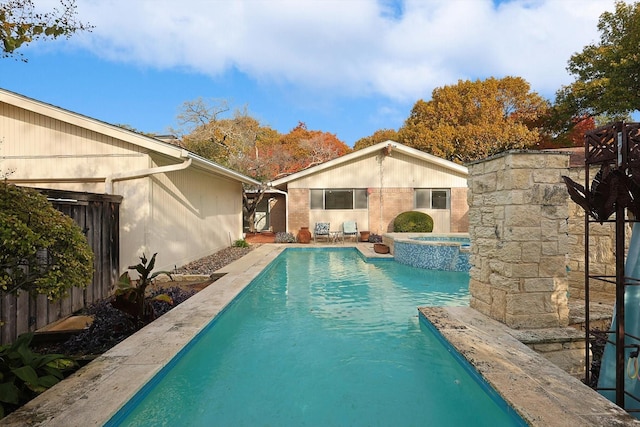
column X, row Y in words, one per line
column 518, row 209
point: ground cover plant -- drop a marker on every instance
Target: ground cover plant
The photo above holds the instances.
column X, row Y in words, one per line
column 24, row 373
column 283, row 237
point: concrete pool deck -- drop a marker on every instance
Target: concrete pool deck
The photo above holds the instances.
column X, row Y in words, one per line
column 541, row 393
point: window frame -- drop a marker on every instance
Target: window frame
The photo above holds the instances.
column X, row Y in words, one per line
column 417, row 195
column 357, row 198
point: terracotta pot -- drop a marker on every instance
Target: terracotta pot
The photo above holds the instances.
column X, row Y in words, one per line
column 380, row 248
column 304, row 235
column 364, row 236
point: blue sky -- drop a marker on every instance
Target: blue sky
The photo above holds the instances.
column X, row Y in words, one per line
column 349, row 67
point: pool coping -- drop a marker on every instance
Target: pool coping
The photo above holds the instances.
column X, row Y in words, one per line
column 542, row 393
column 97, row 391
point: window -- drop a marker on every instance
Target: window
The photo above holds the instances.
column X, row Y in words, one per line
column 432, row 198
column 338, row 198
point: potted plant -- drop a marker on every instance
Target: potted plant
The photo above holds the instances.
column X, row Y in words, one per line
column 364, row 236
column 380, row 248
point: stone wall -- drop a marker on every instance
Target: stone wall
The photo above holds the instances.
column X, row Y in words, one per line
column 518, row 210
column 602, row 260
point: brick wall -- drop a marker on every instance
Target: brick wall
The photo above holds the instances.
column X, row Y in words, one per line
column 298, row 209
column 459, row 210
column 394, row 202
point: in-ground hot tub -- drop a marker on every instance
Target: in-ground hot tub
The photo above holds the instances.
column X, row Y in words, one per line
column 448, row 252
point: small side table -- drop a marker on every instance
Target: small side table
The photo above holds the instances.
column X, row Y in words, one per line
column 336, row 236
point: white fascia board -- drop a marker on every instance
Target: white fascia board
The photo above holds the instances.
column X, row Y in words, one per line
column 463, row 170
column 117, row 132
column 217, row 169
column 89, row 123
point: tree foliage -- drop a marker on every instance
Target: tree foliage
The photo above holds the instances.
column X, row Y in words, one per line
column 302, row 148
column 240, row 142
column 43, row 251
column 378, row 136
column 472, row 120
column 607, row 73
column 21, row 23
column 233, row 141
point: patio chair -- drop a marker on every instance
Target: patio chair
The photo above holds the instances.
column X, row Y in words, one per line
column 350, row 229
column 321, row 230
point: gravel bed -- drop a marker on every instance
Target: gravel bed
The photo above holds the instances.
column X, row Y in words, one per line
column 210, row 264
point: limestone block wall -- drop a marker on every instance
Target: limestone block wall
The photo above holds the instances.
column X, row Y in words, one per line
column 518, row 209
column 602, row 259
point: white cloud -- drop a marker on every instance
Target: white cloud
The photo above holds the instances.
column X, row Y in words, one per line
column 349, row 46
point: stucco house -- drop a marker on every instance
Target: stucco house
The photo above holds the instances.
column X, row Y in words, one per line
column 372, row 186
column 173, row 202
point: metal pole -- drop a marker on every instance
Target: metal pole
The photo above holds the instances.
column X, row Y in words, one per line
column 620, row 366
column 620, row 285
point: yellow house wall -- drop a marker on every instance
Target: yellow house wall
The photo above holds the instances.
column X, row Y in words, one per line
column 390, row 181
column 181, row 215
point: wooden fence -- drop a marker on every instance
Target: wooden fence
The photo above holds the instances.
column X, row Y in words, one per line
column 98, row 217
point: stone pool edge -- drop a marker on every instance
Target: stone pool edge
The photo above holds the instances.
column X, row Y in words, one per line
column 95, row 393
column 542, row 393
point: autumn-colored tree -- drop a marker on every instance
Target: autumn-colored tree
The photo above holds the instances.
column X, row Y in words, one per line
column 572, row 137
column 378, row 136
column 302, row 148
column 21, row 23
column 607, row 73
column 241, row 143
column 233, row 142
column 475, row 119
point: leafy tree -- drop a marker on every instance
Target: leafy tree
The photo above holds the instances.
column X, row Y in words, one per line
column 242, row 143
column 472, row 120
column 43, row 251
column 607, row 73
column 232, row 142
column 304, row 148
column 554, row 136
column 378, row 136
column 21, row 24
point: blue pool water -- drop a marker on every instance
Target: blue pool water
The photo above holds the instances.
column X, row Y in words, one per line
column 323, row 338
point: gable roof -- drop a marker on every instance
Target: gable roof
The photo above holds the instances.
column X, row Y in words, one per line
column 392, row 145
column 146, row 142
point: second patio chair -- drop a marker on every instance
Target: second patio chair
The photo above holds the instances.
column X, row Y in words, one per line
column 350, row 229
column 321, row 230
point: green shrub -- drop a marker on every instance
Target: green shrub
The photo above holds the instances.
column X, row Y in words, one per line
column 241, row 243
column 130, row 296
column 413, row 222
column 25, row 374
column 42, row 250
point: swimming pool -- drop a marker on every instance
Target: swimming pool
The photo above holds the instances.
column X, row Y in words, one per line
column 309, row 345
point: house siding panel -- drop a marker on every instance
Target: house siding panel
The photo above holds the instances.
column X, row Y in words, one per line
column 390, row 181
column 195, row 213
